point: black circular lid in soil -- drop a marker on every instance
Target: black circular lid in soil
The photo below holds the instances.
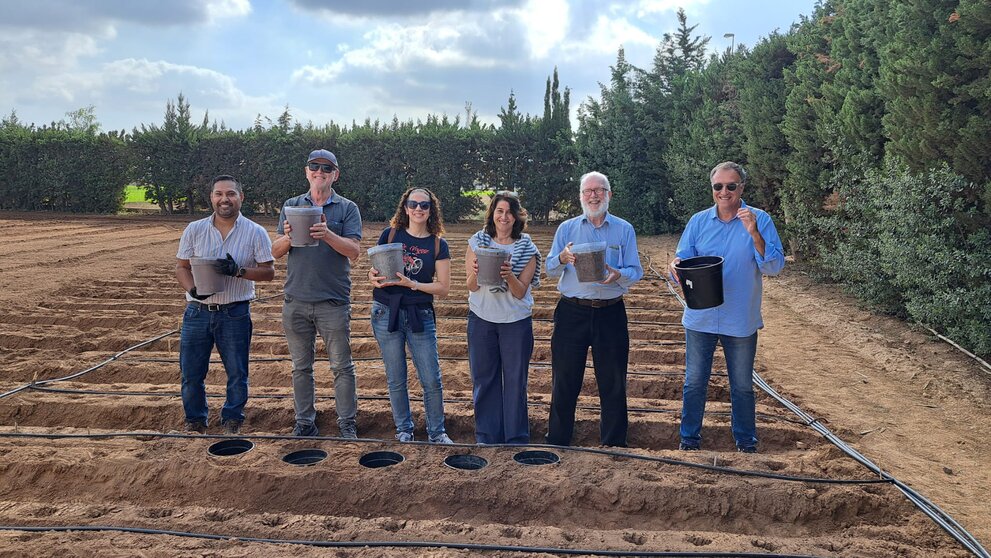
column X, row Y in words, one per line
column 466, row 462
column 305, row 457
column 379, row 459
column 228, row 448
column 536, row 457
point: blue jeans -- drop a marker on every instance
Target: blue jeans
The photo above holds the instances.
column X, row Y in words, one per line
column 423, row 349
column 499, row 356
column 230, row 330
column 301, row 322
column 739, row 353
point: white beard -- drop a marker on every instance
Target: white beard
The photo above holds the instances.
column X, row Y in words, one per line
column 603, row 208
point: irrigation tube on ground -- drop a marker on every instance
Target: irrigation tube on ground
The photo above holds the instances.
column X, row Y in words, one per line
column 941, row 518
column 91, row 368
column 396, row 544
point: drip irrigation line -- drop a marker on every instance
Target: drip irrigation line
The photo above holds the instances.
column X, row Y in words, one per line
column 391, row 543
column 941, row 518
column 92, row 368
column 532, row 403
column 572, row 449
column 958, row 347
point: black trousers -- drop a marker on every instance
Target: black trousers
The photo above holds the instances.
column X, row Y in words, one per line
column 576, row 329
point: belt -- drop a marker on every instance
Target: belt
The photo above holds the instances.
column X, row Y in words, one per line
column 215, row 307
column 593, row 302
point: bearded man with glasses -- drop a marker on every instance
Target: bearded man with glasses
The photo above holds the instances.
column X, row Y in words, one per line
column 747, row 241
column 592, row 315
column 318, row 294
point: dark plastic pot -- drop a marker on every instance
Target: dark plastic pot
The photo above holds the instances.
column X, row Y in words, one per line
column 466, row 462
column 228, row 448
column 702, row 281
column 536, row 457
column 305, row 457
column 379, row 459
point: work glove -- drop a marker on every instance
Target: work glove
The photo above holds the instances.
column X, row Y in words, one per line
column 226, row 266
column 197, row 296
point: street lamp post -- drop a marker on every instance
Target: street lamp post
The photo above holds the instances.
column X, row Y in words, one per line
column 732, row 38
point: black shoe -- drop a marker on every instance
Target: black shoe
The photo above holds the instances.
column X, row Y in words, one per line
column 232, row 427
column 197, row 426
column 687, row 447
column 748, row 449
column 305, row 430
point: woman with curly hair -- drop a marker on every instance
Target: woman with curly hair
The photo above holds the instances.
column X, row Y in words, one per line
column 403, row 311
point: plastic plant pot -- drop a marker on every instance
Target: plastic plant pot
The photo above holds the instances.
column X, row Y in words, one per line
column 536, row 457
column 301, row 219
column 490, row 262
column 590, row 261
column 379, row 459
column 387, row 259
column 228, row 448
column 701, row 280
column 205, row 276
column 305, row 457
column 466, row 462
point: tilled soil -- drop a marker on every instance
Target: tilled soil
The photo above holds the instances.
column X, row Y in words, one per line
column 116, row 456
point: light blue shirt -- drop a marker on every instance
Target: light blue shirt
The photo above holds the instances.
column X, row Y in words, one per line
column 743, row 266
column 621, row 254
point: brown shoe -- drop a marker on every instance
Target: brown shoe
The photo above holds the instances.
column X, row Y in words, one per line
column 197, row 426
column 232, row 427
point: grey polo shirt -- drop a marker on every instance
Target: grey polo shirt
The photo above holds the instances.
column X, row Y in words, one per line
column 319, row 273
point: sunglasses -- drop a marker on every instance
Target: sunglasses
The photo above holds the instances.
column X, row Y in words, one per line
column 732, row 186
column 413, row 204
column 325, row 167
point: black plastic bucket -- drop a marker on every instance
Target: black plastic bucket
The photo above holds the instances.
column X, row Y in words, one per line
column 305, row 457
column 466, row 462
column 702, row 281
column 536, row 457
column 227, row 448
column 379, row 459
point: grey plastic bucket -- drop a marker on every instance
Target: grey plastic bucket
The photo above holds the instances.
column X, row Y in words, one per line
column 490, row 262
column 590, row 261
column 702, row 281
column 205, row 276
column 387, row 259
column 301, row 219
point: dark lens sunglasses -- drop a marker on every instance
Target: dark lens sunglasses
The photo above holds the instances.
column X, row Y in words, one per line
column 732, row 186
column 325, row 167
column 413, row 204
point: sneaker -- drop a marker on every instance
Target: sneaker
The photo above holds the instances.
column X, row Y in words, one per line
column 405, row 436
column 349, row 431
column 305, row 430
column 748, row 449
column 688, row 447
column 442, row 438
column 197, row 426
column 232, row 427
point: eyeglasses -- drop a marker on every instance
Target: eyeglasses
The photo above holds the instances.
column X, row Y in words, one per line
column 413, row 204
column 597, row 191
column 325, row 167
column 732, row 186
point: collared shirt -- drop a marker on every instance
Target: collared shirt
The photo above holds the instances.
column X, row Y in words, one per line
column 248, row 243
column 621, row 254
column 743, row 266
column 319, row 273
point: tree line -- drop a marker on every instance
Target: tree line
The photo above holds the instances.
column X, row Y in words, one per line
column 864, row 129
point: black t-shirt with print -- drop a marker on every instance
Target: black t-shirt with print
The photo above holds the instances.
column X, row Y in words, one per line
column 418, row 256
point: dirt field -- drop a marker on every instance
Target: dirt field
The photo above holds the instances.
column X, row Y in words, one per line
column 76, row 290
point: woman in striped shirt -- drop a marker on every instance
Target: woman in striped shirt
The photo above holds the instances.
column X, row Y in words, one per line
column 500, row 327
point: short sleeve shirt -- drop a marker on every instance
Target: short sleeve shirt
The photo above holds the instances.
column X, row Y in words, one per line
column 419, row 260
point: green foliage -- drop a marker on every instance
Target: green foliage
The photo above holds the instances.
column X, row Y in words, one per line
column 919, row 245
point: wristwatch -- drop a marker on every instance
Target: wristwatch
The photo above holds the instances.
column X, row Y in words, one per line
column 240, row 272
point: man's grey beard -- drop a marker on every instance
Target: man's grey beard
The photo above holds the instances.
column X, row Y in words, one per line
column 603, row 208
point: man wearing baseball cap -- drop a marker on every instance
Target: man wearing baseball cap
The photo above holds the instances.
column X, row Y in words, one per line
column 318, row 294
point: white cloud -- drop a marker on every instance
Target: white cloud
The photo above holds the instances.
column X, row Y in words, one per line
column 546, row 25
column 646, row 7
column 219, row 9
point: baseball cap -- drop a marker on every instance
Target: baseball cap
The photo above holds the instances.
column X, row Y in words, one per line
column 323, row 154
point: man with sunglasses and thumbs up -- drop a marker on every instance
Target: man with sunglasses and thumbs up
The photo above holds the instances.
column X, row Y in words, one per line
column 318, row 294
column 747, row 241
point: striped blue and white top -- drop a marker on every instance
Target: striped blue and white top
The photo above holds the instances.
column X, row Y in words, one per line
column 248, row 243
column 497, row 304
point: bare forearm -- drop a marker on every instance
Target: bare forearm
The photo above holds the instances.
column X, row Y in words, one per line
column 348, row 247
column 280, row 246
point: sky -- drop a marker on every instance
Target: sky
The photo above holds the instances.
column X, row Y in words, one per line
column 336, row 60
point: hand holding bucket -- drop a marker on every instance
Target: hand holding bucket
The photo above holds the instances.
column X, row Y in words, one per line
column 701, row 280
